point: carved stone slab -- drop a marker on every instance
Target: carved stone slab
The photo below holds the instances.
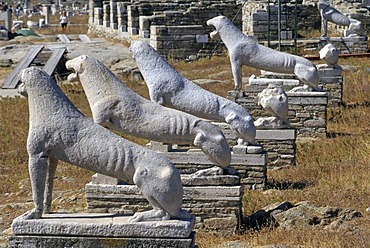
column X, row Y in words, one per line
column 100, row 224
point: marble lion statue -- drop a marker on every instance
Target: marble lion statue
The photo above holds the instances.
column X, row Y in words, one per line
column 330, row 14
column 243, row 50
column 58, row 131
column 169, row 88
column 116, row 106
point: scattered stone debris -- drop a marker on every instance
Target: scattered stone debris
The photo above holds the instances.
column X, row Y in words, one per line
column 285, row 215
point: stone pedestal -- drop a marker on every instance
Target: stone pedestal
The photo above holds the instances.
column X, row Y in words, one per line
column 331, row 80
column 215, row 200
column 280, row 144
column 308, row 113
column 99, row 230
column 252, row 167
column 217, row 208
column 307, row 110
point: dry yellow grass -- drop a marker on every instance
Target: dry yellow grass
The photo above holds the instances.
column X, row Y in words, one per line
column 333, row 171
column 77, row 24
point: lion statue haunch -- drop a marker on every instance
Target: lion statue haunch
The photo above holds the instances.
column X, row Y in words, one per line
column 330, row 14
column 243, row 50
column 169, row 88
column 58, row 131
column 115, row 105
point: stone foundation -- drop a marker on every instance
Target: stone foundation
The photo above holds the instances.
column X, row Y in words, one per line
column 217, row 208
column 280, row 144
column 331, row 80
column 307, row 110
column 99, row 230
column 252, row 167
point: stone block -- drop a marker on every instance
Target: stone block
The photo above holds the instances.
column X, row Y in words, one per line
column 144, row 22
column 240, row 149
column 144, row 34
column 133, row 31
column 100, row 225
column 276, row 134
column 325, row 71
column 102, row 179
column 205, row 202
column 188, row 180
column 260, row 16
column 106, row 24
column 113, row 26
column 201, row 38
column 319, row 122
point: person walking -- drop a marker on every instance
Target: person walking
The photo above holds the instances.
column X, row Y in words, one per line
column 64, row 21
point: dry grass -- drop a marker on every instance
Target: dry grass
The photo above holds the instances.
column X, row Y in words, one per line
column 77, row 24
column 333, row 171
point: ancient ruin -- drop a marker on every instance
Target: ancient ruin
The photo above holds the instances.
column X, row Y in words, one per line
column 175, row 28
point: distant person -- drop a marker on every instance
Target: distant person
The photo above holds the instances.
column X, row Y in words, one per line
column 64, row 21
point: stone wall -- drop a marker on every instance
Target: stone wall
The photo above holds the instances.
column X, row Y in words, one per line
column 176, row 28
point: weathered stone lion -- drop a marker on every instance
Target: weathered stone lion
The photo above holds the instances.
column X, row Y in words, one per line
column 243, row 50
column 275, row 101
column 169, row 88
column 58, row 131
column 330, row 14
column 115, row 105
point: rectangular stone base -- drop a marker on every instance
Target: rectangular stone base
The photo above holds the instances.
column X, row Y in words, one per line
column 99, row 230
column 30, row 241
column 307, row 110
column 215, row 207
column 252, row 167
column 280, row 144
